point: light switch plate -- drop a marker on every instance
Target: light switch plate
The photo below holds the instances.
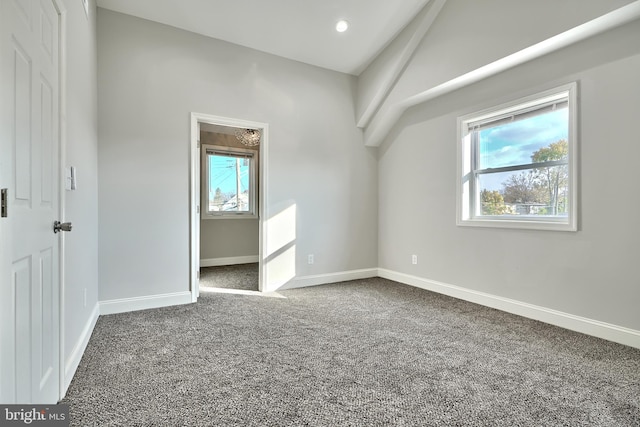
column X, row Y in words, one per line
column 70, row 178
column 73, row 178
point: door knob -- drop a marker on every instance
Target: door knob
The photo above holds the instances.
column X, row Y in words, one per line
column 61, row 226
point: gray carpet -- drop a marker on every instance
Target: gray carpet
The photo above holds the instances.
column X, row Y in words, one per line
column 241, row 276
column 362, row 353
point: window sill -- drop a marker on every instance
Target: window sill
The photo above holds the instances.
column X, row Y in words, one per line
column 230, row 216
column 519, row 223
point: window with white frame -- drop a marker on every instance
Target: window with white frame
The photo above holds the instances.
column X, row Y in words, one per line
column 517, row 163
column 229, row 184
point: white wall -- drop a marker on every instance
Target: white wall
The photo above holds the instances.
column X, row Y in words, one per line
column 590, row 273
column 81, row 205
column 151, row 77
column 228, row 238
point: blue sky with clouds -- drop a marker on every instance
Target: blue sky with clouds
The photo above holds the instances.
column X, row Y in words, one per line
column 514, row 143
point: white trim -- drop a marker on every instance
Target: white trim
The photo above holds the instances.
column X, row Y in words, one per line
column 216, row 262
column 124, row 305
column 466, row 200
column 194, row 206
column 325, row 279
column 213, row 149
column 73, row 361
column 380, row 126
column 580, row 324
column 194, row 193
column 263, row 208
column 62, row 147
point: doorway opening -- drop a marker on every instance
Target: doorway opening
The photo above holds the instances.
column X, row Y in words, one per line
column 228, row 203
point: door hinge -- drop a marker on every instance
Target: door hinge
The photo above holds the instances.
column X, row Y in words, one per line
column 198, row 274
column 197, row 209
column 4, row 203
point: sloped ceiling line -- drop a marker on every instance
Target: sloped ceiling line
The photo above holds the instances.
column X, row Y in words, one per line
column 385, row 118
column 397, row 69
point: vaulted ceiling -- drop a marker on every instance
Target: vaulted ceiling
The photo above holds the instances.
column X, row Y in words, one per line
column 305, row 31
column 302, row 30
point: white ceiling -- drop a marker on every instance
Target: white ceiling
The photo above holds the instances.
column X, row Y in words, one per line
column 302, row 30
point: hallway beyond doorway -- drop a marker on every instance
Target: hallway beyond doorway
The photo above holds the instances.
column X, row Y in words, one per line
column 240, row 276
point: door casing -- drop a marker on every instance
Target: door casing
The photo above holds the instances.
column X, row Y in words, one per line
column 194, row 194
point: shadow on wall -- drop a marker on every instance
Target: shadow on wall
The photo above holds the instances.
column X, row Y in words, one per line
column 280, row 255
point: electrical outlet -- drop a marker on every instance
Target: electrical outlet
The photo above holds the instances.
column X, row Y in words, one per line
column 310, row 259
column 414, row 259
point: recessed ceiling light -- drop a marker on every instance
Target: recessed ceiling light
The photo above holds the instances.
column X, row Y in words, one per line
column 342, row 26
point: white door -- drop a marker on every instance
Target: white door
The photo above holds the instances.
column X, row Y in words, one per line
column 29, row 170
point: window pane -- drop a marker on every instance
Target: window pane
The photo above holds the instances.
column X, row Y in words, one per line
column 537, row 192
column 229, row 183
column 523, row 141
column 516, row 163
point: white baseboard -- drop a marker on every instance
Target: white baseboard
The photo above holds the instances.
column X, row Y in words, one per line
column 143, row 303
column 216, row 262
column 325, row 279
column 73, row 361
column 584, row 325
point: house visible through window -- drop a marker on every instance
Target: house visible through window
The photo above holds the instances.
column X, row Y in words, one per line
column 517, row 163
column 229, row 184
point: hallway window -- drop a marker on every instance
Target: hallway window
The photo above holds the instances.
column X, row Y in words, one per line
column 229, row 182
column 517, row 163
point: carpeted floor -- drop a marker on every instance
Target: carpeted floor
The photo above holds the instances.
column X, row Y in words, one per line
column 241, row 276
column 362, row 353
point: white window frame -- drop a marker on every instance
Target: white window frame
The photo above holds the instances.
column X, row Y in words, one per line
column 468, row 193
column 204, row 212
